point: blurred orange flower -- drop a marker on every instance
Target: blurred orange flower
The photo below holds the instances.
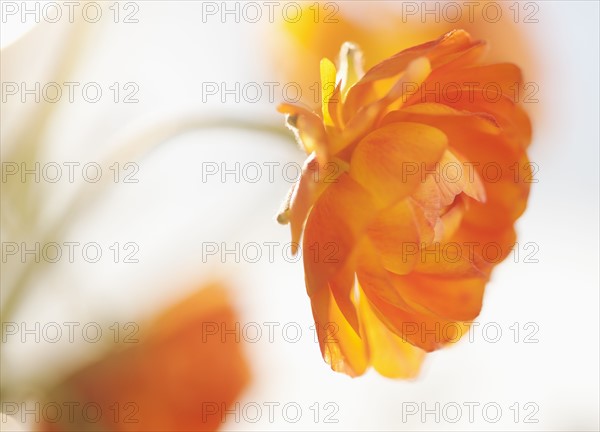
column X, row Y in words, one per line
column 417, row 171
column 174, row 379
column 319, row 28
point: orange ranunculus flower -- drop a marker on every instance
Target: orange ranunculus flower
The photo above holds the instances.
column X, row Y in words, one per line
column 174, row 378
column 319, row 28
column 411, row 191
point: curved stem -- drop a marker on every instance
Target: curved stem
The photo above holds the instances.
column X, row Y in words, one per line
column 134, row 148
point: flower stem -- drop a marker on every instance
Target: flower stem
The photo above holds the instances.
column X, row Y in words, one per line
column 134, row 147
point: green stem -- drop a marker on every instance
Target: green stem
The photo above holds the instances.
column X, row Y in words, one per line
column 135, row 149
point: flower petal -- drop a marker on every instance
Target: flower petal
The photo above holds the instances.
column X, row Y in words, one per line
column 389, row 161
column 330, row 234
column 350, row 66
column 500, row 163
column 454, row 297
column 313, row 181
column 389, row 354
column 181, row 363
column 437, row 51
column 308, row 129
column 392, row 231
column 410, row 321
column 499, row 79
column 341, row 347
column 328, row 85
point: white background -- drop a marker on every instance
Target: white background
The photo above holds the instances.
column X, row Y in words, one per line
column 171, row 211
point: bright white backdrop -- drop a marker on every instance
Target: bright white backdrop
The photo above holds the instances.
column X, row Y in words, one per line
column 171, row 212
